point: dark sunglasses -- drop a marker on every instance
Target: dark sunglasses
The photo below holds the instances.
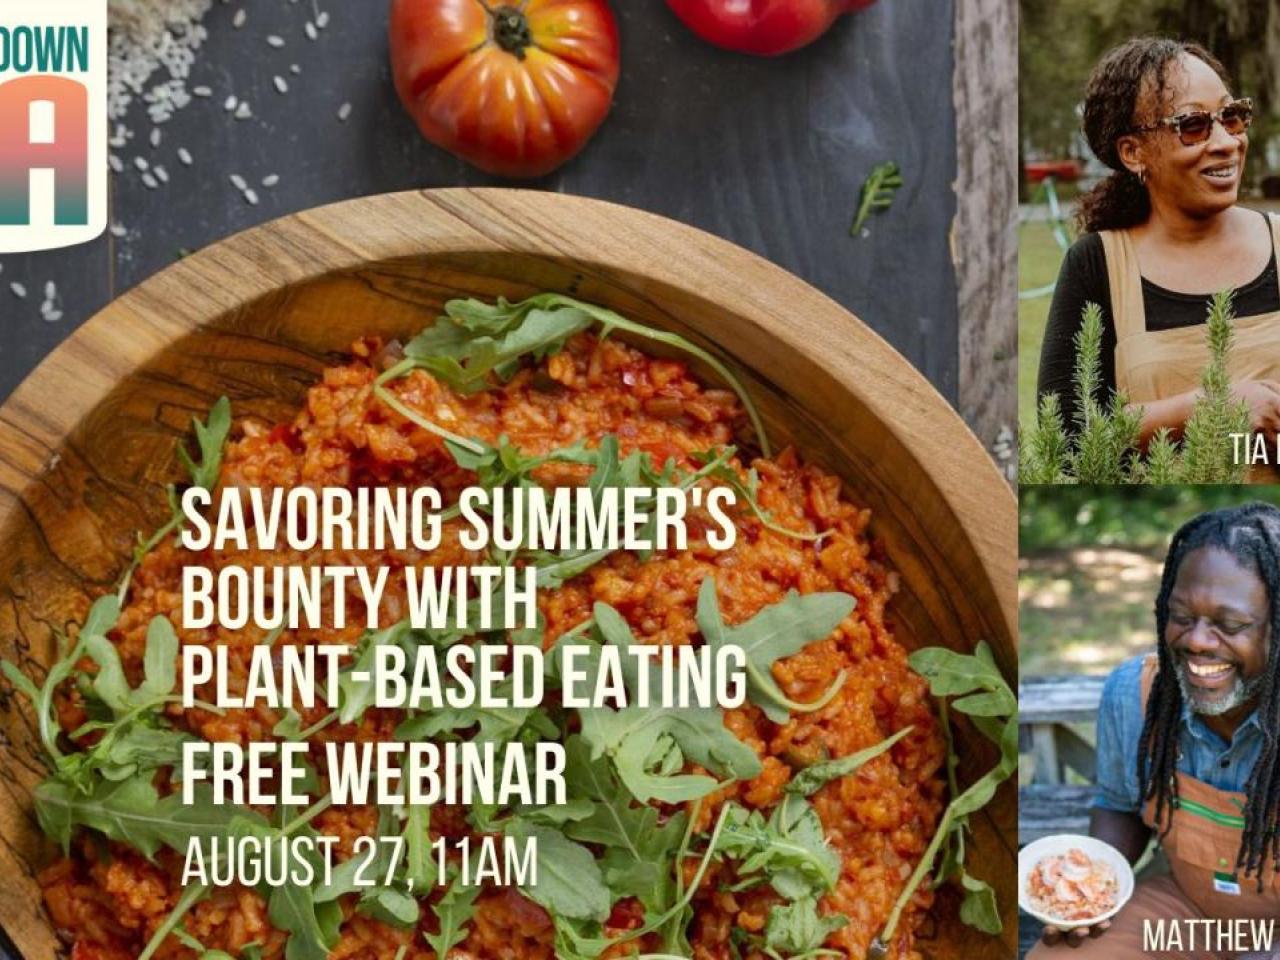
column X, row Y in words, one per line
column 1197, row 126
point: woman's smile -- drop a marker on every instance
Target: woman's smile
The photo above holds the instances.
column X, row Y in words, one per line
column 1224, row 176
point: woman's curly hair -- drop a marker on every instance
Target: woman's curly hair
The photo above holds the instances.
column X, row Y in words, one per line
column 1111, row 103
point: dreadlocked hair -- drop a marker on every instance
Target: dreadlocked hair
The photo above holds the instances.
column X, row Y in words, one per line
column 1251, row 534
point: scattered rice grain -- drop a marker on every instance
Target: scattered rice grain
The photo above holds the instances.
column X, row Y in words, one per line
column 344, row 111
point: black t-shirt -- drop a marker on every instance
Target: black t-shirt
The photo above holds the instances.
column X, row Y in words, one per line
column 1083, row 279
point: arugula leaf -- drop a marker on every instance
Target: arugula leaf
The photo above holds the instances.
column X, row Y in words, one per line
column 127, row 748
column 631, row 736
column 474, row 340
column 454, row 911
column 202, row 952
column 777, row 631
column 132, row 812
column 211, row 436
column 877, row 194
column 313, row 927
column 809, row 780
column 505, row 465
column 159, row 665
column 578, row 940
column 101, row 619
column 420, row 870
column 311, row 922
column 466, row 365
column 570, row 884
column 960, row 675
column 979, row 908
column 355, row 698
column 797, row 928
column 185, row 902
column 639, row 851
column 748, row 491
column 789, row 849
column 388, row 902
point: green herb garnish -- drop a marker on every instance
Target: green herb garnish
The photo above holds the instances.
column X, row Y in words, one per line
column 811, row 779
column 877, row 194
column 982, row 694
column 211, row 437
column 476, row 343
column 453, row 912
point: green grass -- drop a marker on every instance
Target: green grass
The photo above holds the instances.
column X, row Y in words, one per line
column 1038, row 261
column 1086, row 610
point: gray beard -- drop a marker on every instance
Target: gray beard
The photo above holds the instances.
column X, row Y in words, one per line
column 1240, row 693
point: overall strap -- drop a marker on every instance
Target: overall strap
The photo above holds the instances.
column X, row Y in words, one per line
column 1275, row 233
column 1128, row 312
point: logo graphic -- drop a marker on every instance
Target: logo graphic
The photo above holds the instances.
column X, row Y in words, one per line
column 53, row 123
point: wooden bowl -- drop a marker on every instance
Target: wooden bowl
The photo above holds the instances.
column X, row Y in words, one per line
column 87, row 441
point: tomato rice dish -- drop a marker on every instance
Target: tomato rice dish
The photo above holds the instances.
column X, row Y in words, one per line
column 107, row 900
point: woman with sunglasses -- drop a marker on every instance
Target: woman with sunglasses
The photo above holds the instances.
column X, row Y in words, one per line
column 1161, row 235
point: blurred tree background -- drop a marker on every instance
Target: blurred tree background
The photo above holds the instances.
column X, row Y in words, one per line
column 1089, row 568
column 1060, row 43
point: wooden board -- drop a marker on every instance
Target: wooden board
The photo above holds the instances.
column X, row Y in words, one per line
column 86, row 442
column 768, row 153
column 1065, row 699
column 984, row 237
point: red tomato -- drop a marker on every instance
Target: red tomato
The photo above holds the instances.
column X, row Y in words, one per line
column 763, row 27
column 516, row 88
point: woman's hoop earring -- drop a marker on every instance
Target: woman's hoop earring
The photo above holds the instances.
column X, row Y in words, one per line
column 1142, row 176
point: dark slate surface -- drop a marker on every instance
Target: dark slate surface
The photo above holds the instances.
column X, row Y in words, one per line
column 768, row 153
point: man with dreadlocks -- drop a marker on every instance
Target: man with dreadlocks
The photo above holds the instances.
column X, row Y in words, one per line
column 1189, row 746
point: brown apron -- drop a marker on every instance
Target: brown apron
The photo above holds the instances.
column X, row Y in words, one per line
column 1202, row 844
column 1153, row 364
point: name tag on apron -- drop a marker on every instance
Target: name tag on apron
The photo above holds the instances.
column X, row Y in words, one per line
column 1226, row 883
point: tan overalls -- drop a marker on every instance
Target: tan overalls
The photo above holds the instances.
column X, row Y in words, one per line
column 1153, row 364
column 1202, row 844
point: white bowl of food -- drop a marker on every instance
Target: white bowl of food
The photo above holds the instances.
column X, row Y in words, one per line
column 1069, row 880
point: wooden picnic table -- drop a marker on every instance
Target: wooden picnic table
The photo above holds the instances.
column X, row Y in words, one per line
column 1047, row 706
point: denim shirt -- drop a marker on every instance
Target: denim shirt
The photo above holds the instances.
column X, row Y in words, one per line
column 1205, row 755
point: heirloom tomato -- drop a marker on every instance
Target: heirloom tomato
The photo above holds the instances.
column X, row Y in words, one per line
column 763, row 27
column 515, row 88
